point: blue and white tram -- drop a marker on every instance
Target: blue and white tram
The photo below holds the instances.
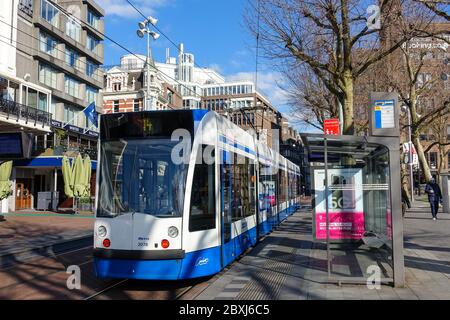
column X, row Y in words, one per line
column 159, row 218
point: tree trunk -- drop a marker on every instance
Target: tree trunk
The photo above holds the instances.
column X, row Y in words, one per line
column 422, row 158
column 441, row 162
column 347, row 108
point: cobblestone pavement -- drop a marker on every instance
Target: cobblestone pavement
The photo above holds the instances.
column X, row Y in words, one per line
column 27, row 231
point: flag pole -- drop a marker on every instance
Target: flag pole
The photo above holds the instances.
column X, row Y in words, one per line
column 75, row 117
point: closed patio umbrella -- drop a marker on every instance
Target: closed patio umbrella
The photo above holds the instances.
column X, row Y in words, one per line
column 67, row 176
column 87, row 176
column 5, row 184
column 78, row 178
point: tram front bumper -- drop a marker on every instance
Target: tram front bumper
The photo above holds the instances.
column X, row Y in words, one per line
column 142, row 265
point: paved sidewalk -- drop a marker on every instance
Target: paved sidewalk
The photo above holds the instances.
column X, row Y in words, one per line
column 287, row 265
column 22, row 232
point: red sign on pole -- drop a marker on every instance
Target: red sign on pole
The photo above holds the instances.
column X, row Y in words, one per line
column 331, row 127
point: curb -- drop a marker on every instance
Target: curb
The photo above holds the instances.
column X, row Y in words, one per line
column 12, row 257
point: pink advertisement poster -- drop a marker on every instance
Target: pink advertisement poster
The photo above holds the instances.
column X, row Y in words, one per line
column 345, row 204
column 343, row 225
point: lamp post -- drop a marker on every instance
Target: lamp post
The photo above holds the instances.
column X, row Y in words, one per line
column 144, row 28
column 410, row 159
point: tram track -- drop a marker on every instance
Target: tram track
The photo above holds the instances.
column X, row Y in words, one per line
column 91, row 297
column 121, row 286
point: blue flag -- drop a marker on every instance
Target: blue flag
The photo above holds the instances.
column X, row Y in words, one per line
column 91, row 114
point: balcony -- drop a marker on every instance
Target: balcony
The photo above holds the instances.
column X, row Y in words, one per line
column 15, row 116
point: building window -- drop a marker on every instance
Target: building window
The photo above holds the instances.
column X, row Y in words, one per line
column 69, row 113
column 117, row 86
column 73, row 29
column 72, row 86
column 93, row 19
column 422, row 79
column 49, row 13
column 47, row 44
column 47, row 75
column 116, row 106
column 91, row 94
column 136, row 105
column 42, row 101
column 72, row 58
column 26, row 6
column 92, row 44
column 433, row 160
column 91, row 68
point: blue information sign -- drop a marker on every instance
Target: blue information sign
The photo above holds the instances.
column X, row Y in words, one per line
column 384, row 114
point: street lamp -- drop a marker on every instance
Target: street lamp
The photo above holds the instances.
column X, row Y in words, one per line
column 410, row 159
column 144, row 28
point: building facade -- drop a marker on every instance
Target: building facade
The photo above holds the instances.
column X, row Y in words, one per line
column 430, row 59
column 125, row 88
column 58, row 48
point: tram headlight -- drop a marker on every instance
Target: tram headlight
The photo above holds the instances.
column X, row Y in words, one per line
column 173, row 232
column 102, row 232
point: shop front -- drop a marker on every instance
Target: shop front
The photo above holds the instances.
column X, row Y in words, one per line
column 38, row 185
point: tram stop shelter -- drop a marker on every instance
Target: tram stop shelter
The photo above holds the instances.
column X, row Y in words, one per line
column 357, row 213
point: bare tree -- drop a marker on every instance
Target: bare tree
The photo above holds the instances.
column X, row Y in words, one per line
column 311, row 103
column 420, row 86
column 440, row 7
column 333, row 38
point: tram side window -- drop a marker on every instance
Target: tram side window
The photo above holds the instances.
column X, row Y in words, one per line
column 237, row 199
column 252, row 180
column 243, row 187
column 203, row 199
column 283, row 186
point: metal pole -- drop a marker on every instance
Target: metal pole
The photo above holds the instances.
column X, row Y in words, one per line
column 326, row 208
column 147, row 100
column 411, row 174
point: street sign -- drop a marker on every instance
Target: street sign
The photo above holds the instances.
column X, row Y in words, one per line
column 415, row 157
column 383, row 114
column 331, row 127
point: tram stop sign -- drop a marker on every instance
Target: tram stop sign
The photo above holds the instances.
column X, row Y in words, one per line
column 331, row 127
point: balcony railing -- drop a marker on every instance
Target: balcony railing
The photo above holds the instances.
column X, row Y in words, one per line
column 17, row 111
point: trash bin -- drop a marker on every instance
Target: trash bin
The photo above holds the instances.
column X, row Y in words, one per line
column 47, row 201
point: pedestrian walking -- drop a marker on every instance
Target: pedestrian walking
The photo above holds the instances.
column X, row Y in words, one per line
column 434, row 196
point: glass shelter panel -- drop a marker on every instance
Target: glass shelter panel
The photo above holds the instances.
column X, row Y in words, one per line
column 352, row 207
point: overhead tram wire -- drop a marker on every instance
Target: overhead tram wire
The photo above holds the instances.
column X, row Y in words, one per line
column 167, row 37
column 200, row 67
column 124, row 48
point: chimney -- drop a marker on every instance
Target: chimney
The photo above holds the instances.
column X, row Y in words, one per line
column 167, row 55
column 181, row 48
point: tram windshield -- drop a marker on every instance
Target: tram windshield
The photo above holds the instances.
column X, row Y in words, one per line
column 138, row 176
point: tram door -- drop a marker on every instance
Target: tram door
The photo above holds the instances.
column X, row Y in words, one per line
column 226, row 170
